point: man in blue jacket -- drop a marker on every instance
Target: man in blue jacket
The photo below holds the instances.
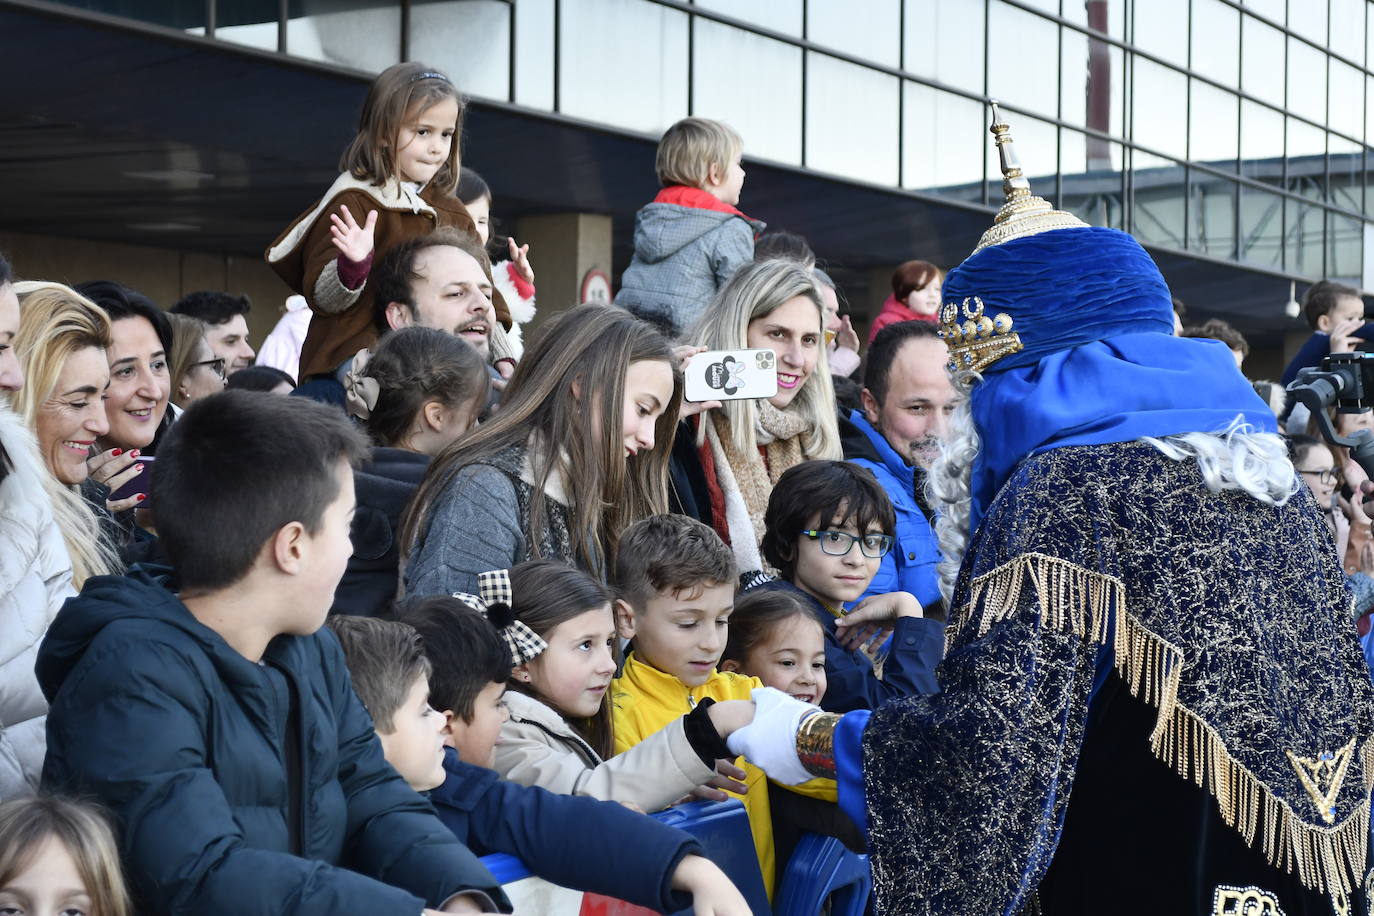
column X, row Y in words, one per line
column 208, row 711
column 907, row 400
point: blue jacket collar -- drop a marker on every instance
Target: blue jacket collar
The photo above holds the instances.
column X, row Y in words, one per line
column 891, row 460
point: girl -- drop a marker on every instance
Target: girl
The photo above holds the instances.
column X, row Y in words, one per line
column 59, row 857
column 514, row 278
column 398, row 178
column 559, row 732
column 420, row 392
column 195, row 370
column 916, row 291
column 578, row 451
column 775, row 637
column 745, row 446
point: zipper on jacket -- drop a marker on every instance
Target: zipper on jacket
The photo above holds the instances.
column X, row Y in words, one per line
column 295, row 704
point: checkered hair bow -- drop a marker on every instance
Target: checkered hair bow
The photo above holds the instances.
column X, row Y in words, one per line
column 493, row 598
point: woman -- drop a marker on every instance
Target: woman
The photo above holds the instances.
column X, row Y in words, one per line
column 745, row 446
column 419, row 392
column 195, row 370
column 578, row 451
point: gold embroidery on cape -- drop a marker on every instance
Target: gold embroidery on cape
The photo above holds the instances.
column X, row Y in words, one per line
column 1327, row 767
column 1244, row 901
column 1078, row 600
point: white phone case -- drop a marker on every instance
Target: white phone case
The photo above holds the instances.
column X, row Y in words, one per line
column 731, row 375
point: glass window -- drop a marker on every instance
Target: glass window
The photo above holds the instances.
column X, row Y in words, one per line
column 1157, row 192
column 874, row 36
column 1106, row 16
column 1261, row 142
column 1345, row 249
column 1159, row 98
column 783, row 16
column 944, row 40
column 1261, row 227
column 1212, row 214
column 1262, row 58
column 467, row 39
column 1273, row 9
column 1157, row 25
column 851, row 120
column 1345, row 162
column 1013, row 35
column 1092, row 178
column 1306, row 159
column 1345, row 99
column 1091, row 84
column 1036, row 144
column 1308, row 18
column 1347, row 29
column 648, row 42
column 1306, row 81
column 769, row 117
column 1048, row 6
column 244, row 22
column 942, row 143
column 1369, row 110
column 534, row 53
column 1304, row 238
column 1216, row 41
column 1214, row 123
column 340, row 32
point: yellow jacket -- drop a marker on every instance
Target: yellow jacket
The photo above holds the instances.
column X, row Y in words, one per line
column 645, row 699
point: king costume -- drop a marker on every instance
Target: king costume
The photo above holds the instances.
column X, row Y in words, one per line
column 1152, row 701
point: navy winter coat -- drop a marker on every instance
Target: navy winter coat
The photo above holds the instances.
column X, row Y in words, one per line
column 551, row 834
column 185, row 740
column 383, row 486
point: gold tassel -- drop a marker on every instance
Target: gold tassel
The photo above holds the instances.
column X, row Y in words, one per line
column 1076, row 600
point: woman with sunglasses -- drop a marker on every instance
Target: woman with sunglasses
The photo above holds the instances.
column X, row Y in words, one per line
column 196, row 371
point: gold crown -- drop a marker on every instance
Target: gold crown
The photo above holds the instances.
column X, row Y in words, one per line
column 978, row 339
column 1023, row 214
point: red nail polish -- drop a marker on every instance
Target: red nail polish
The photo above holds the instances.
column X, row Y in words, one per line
column 134, row 454
column 138, row 469
column 116, row 452
column 141, row 497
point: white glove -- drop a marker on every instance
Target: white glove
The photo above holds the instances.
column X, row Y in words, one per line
column 770, row 741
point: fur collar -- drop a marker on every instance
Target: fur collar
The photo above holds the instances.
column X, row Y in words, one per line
column 393, row 195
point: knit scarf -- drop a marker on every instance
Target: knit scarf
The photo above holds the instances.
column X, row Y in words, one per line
column 747, row 481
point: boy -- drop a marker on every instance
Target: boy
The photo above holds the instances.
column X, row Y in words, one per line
column 827, row 527
column 692, row 237
column 204, row 708
column 655, row 865
column 1336, row 315
column 675, row 582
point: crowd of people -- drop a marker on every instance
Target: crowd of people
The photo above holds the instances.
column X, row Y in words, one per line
column 421, row 586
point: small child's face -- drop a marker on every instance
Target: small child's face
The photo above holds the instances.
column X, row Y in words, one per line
column 476, row 739
column 415, row 746
column 50, row 885
column 726, row 186
column 792, row 659
column 480, row 211
column 424, row 140
column 835, row 580
column 573, row 673
column 682, row 635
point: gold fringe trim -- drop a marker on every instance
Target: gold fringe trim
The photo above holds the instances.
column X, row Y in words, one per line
column 1079, row 601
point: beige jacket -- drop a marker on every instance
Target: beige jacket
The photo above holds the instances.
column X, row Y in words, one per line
column 538, row 748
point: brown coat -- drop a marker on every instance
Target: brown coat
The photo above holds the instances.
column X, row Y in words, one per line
column 305, row 257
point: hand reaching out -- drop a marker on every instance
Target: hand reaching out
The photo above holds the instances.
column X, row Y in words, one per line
column 353, row 241
column 846, row 336
column 520, row 257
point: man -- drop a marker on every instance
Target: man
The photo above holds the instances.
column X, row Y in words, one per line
column 907, row 402
column 225, row 316
column 1152, row 700
column 434, row 281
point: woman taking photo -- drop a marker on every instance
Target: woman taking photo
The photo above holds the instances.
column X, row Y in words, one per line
column 578, row 451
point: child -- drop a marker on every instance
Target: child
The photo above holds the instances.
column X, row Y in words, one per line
column 916, row 287
column 513, row 278
column 420, row 391
column 655, row 865
column 59, row 856
column 1335, row 313
column 692, row 237
column 399, row 175
column 203, row 707
column 827, row 527
column 675, row 579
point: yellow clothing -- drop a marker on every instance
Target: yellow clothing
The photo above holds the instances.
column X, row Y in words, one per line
column 645, row 699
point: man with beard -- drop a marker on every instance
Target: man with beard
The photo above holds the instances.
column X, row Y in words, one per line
column 907, row 403
column 1152, row 700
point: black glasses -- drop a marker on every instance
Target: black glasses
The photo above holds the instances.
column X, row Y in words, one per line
column 1326, row 476
column 839, row 543
column 216, row 364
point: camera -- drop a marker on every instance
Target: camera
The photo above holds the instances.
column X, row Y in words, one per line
column 1344, row 381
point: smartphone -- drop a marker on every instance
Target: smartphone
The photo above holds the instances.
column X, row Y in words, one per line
column 731, row 375
column 142, row 483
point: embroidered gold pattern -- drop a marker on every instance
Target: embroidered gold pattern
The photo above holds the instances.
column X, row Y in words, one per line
column 1244, row 901
column 1080, row 601
column 1328, row 767
column 978, row 339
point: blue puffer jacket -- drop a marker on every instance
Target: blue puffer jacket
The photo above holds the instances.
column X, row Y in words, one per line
column 910, row 565
column 185, row 740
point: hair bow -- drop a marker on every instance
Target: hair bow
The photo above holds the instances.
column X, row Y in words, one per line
column 360, row 391
column 493, row 598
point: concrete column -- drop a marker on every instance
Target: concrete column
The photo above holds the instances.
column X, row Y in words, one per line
column 563, row 247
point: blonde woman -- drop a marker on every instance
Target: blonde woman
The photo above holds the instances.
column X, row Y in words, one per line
column 745, row 446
